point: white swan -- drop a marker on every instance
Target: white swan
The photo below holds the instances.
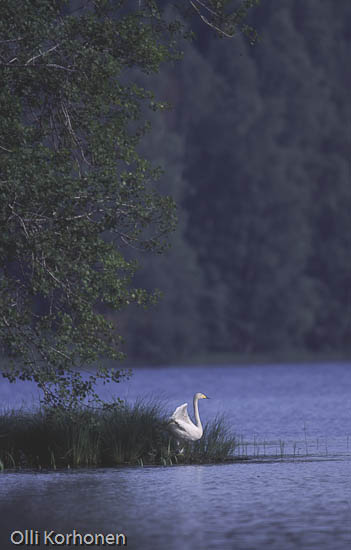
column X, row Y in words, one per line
column 180, row 424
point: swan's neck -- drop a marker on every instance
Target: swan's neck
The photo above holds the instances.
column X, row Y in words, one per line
column 196, row 412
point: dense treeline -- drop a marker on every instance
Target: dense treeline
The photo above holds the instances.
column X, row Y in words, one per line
column 257, row 155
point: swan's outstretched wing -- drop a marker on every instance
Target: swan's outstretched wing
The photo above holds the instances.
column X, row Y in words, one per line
column 181, row 414
column 182, row 427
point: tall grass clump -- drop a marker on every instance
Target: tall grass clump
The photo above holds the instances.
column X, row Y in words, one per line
column 53, row 438
column 133, row 434
column 121, row 434
column 218, row 443
column 22, row 438
column 48, row 438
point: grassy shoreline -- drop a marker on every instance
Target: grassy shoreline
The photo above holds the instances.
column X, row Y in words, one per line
column 129, row 435
column 123, row 435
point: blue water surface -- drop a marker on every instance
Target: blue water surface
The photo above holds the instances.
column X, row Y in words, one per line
column 294, row 492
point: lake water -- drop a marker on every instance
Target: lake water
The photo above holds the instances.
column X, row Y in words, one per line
column 294, row 492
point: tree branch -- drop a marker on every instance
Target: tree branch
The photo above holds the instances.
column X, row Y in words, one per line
column 42, row 54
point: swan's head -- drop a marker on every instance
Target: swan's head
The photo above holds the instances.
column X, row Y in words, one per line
column 201, row 396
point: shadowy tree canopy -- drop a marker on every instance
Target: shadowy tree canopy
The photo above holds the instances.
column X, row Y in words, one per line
column 75, row 192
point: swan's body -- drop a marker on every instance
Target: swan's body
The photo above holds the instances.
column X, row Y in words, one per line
column 181, row 425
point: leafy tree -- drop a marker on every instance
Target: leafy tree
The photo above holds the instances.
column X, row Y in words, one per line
column 75, row 193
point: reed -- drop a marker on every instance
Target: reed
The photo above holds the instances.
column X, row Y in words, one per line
column 126, row 434
column 123, row 434
column 133, row 434
column 217, row 444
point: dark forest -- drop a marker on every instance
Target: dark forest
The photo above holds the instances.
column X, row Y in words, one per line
column 256, row 153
